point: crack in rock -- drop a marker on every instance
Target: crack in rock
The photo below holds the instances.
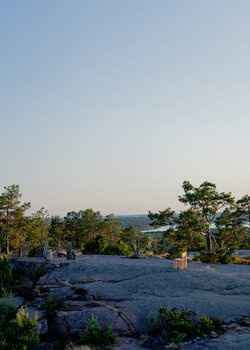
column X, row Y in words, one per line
column 129, row 324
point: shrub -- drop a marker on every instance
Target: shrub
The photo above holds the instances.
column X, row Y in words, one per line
column 5, row 275
column 97, row 335
column 175, row 251
column 242, row 261
column 134, row 256
column 95, row 246
column 206, row 324
column 116, row 250
column 38, row 272
column 51, row 305
column 7, row 313
column 219, row 256
column 36, row 252
column 20, row 333
column 177, row 326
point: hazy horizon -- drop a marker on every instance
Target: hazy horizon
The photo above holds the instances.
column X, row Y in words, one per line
column 112, row 105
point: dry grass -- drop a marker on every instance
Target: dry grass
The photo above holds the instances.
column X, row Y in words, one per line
column 242, row 261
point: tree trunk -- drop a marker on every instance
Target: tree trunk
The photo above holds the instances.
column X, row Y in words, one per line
column 7, row 232
column 209, row 242
column 7, row 244
column 20, row 251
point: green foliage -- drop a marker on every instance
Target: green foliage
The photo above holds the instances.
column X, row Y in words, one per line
column 218, row 256
column 51, row 305
column 231, row 233
column 99, row 245
column 192, row 229
column 19, row 232
column 140, row 222
column 5, row 275
column 97, row 335
column 7, row 313
column 35, row 252
column 174, row 251
column 110, row 229
column 20, row 332
column 186, row 234
column 206, row 324
column 11, row 215
column 206, row 201
column 137, row 241
column 243, row 205
column 95, row 246
column 118, row 249
column 188, row 231
column 37, row 232
column 177, row 326
column 57, row 233
column 38, row 272
column 163, row 218
column 83, row 226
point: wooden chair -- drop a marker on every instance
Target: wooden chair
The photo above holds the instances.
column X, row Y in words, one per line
column 181, row 263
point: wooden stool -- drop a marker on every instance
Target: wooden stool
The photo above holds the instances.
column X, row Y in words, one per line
column 177, row 263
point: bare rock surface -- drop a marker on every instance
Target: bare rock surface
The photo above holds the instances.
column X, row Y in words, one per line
column 126, row 293
column 141, row 286
column 230, row 341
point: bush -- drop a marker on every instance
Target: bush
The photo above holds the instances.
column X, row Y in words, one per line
column 177, row 326
column 5, row 275
column 51, row 305
column 36, row 252
column 111, row 249
column 38, row 272
column 97, row 335
column 95, row 246
column 219, row 256
column 7, row 313
column 206, row 324
column 175, row 251
column 19, row 333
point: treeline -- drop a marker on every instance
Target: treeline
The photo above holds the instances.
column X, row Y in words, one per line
column 141, row 222
column 87, row 229
column 90, row 232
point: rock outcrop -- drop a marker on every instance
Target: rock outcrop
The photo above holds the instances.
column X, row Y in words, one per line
column 126, row 293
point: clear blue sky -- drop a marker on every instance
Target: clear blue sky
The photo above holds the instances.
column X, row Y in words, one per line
column 111, row 104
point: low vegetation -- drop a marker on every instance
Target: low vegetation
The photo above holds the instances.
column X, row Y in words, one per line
column 17, row 330
column 218, row 256
column 38, row 272
column 177, row 326
column 51, row 305
column 97, row 335
column 6, row 276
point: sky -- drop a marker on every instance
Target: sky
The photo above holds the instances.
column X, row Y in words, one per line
column 112, row 104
